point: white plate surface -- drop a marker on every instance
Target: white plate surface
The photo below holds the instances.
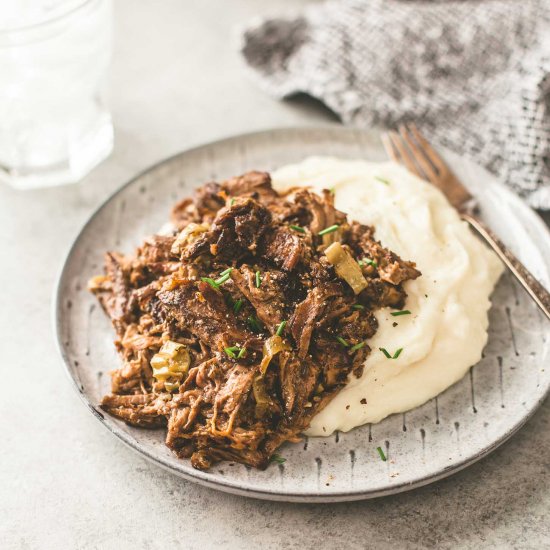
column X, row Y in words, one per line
column 443, row 436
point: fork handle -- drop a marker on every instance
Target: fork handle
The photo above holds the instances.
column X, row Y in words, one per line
column 537, row 292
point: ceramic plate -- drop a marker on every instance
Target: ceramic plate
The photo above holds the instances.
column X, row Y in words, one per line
column 443, row 436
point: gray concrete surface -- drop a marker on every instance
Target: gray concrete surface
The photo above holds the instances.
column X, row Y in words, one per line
column 65, row 482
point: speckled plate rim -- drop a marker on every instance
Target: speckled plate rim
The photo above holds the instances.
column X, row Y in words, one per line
column 203, row 478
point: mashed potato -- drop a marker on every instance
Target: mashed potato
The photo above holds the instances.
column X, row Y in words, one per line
column 447, row 329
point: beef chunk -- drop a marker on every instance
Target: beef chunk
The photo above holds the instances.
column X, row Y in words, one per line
column 285, row 248
column 114, row 290
column 202, row 208
column 146, row 411
column 267, row 299
column 208, row 200
column 389, row 266
column 252, row 184
column 307, row 314
column 318, row 212
column 198, row 308
column 235, row 232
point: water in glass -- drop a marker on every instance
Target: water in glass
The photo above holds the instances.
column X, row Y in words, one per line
column 54, row 125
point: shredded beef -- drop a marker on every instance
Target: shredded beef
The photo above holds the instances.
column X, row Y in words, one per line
column 246, row 271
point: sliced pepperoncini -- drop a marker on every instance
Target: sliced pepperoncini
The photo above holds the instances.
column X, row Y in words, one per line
column 346, row 267
column 272, row 346
column 171, row 364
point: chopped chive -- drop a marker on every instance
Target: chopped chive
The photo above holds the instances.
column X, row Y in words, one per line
column 357, row 346
column 211, row 282
column 327, row 230
column 258, row 279
column 222, row 279
column 254, row 324
column 226, row 271
column 242, row 353
column 280, row 328
column 383, row 180
column 398, row 313
column 367, row 261
column 397, row 353
column 342, row 341
column 297, row 228
column 231, row 202
column 387, row 354
column 237, row 305
column 230, row 352
column 381, row 453
column 358, row 306
column 277, row 458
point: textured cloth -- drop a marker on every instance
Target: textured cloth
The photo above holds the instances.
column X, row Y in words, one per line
column 475, row 75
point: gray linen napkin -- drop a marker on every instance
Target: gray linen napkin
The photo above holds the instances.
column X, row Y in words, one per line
column 475, row 75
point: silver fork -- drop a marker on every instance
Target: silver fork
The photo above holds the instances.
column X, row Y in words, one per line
column 411, row 149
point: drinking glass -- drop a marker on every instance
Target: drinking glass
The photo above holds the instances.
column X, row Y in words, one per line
column 54, row 124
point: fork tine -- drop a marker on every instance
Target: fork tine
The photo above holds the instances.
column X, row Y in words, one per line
column 433, row 157
column 390, row 151
column 418, row 154
column 404, row 155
